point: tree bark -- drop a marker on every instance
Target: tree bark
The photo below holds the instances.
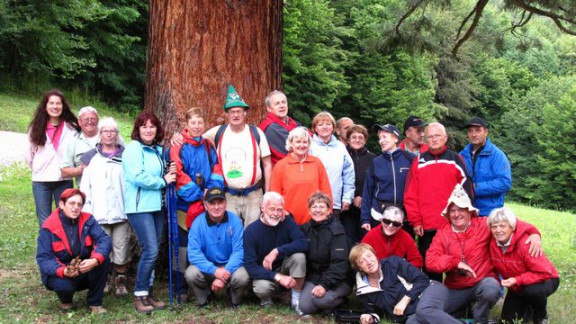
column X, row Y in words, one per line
column 197, row 48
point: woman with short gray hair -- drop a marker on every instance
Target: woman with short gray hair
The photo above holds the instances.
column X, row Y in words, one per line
column 299, row 174
column 530, row 280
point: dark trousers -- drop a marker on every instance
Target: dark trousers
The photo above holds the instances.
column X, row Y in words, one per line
column 94, row 281
column 350, row 219
column 424, row 243
column 535, row 295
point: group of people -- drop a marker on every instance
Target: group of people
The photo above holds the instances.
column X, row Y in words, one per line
column 281, row 207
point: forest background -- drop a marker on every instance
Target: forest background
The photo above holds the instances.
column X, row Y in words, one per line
column 374, row 61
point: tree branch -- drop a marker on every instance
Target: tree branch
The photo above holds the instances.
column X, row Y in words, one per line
column 480, row 5
column 406, row 15
column 464, row 22
column 538, row 11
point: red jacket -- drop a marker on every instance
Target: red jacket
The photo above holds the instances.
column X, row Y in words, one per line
column 448, row 248
column 399, row 244
column 516, row 262
column 429, row 185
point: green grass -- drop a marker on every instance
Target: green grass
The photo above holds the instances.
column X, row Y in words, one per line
column 24, row 299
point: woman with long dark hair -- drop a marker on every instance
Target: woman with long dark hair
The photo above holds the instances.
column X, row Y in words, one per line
column 143, row 164
column 52, row 128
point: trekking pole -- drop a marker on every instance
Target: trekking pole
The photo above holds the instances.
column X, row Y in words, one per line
column 175, row 238
column 168, row 209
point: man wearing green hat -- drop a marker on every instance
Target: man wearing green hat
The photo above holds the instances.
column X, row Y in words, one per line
column 244, row 154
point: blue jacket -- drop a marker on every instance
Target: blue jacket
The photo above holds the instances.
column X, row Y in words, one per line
column 397, row 276
column 54, row 251
column 491, row 175
column 195, row 159
column 385, row 181
column 260, row 239
column 144, row 175
column 339, row 167
column 212, row 245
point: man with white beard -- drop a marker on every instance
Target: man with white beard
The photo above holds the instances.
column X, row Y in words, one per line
column 274, row 252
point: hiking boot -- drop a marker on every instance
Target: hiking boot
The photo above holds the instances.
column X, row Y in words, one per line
column 141, row 305
column 266, row 302
column 109, row 283
column 66, row 307
column 154, row 302
column 97, row 309
column 120, row 283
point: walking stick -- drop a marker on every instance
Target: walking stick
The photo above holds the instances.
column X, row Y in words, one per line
column 173, row 241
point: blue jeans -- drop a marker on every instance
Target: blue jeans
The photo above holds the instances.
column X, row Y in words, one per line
column 94, row 281
column 45, row 193
column 148, row 228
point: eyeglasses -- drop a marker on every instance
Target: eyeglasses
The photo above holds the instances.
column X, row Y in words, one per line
column 433, row 137
column 109, row 131
column 90, row 120
column 391, row 222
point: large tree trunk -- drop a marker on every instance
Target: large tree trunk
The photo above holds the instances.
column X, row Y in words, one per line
column 198, row 47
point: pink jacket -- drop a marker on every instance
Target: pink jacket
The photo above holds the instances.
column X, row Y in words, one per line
column 45, row 160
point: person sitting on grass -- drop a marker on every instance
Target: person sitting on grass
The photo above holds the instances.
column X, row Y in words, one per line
column 395, row 288
column 530, row 279
column 216, row 251
column 274, row 252
column 73, row 253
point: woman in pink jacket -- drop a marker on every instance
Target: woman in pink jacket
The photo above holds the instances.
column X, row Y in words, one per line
column 52, row 128
column 530, row 280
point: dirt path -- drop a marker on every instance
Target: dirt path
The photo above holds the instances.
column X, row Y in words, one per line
column 12, row 146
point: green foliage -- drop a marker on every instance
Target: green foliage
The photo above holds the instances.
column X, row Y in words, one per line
column 99, row 45
column 539, row 141
column 314, row 62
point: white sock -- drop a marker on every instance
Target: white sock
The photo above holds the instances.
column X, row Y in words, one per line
column 295, row 296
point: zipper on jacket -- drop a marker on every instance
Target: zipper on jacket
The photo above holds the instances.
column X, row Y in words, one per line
column 393, row 176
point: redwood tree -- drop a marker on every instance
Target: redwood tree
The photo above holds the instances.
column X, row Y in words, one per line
column 197, row 48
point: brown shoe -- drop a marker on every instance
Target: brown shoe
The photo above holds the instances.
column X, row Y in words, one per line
column 66, row 307
column 97, row 309
column 141, row 305
column 120, row 283
column 154, row 302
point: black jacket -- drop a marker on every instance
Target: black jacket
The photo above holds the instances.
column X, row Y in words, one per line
column 327, row 260
column 362, row 161
column 378, row 301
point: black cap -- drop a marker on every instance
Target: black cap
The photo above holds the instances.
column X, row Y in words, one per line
column 477, row 121
column 214, row 193
column 413, row 121
column 387, row 128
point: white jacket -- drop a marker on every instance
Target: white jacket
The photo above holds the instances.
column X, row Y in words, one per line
column 103, row 184
column 45, row 160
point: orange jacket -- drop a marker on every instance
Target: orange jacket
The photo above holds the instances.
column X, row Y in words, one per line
column 296, row 181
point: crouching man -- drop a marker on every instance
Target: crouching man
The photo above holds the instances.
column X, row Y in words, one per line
column 73, row 253
column 274, row 252
column 216, row 252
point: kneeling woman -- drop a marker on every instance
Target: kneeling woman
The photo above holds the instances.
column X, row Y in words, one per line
column 395, row 288
column 326, row 262
column 530, row 280
column 73, row 252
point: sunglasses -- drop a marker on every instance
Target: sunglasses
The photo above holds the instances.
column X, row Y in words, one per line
column 391, row 222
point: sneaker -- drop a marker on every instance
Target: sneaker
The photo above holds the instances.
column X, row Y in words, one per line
column 266, row 302
column 97, row 309
column 66, row 307
column 120, row 283
column 154, row 302
column 141, row 305
column 296, row 308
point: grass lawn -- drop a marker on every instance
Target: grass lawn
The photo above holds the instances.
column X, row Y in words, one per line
column 24, row 299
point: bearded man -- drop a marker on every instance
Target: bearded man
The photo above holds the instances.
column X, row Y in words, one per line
column 274, row 252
